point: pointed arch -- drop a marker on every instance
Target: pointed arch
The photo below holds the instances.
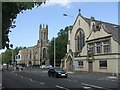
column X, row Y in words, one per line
column 79, row 40
column 69, row 63
column 44, row 52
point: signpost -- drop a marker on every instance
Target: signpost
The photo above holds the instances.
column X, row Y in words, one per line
column 17, row 58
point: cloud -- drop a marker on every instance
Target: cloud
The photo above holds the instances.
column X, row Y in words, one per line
column 64, row 3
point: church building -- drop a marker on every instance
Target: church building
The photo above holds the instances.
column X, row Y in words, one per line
column 36, row 55
column 93, row 46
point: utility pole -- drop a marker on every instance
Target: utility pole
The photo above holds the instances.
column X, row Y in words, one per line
column 54, row 54
column 12, row 57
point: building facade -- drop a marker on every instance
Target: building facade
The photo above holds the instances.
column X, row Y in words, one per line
column 36, row 55
column 93, row 46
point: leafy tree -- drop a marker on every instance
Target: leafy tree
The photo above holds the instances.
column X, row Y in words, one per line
column 51, row 51
column 10, row 10
column 61, row 46
column 7, row 55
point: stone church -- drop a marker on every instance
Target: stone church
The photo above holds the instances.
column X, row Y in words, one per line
column 36, row 55
column 93, row 46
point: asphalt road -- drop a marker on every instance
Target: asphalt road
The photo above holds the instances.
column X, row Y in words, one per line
column 36, row 78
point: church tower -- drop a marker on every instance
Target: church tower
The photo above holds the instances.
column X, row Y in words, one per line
column 43, row 43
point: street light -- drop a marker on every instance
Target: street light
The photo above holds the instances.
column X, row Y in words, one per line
column 67, row 15
column 54, row 54
column 12, row 52
column 73, row 62
column 13, row 62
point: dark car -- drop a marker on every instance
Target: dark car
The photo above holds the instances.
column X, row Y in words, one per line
column 57, row 72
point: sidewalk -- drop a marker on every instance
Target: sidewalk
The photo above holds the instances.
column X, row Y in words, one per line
column 93, row 75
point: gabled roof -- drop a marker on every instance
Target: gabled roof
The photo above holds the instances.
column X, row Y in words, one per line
column 109, row 28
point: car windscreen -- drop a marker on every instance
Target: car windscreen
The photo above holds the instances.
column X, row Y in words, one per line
column 59, row 69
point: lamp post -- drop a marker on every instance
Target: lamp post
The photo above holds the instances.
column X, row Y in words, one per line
column 73, row 63
column 54, row 54
column 67, row 15
column 14, row 66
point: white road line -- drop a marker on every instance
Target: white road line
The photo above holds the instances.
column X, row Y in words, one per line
column 96, row 86
column 61, row 87
column 41, row 82
column 86, row 87
column 91, row 85
column 85, row 84
column 31, row 79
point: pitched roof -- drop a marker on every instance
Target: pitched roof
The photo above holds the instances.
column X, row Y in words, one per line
column 109, row 28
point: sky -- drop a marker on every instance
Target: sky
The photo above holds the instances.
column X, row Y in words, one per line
column 26, row 32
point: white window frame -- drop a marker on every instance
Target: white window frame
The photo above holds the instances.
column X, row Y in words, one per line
column 91, row 47
column 98, row 47
column 106, row 46
column 80, row 64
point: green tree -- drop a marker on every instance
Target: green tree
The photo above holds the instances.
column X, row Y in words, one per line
column 7, row 55
column 61, row 46
column 10, row 10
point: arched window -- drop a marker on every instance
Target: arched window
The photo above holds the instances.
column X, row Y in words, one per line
column 30, row 55
column 82, row 41
column 79, row 40
column 44, row 53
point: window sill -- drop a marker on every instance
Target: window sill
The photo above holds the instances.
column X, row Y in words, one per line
column 103, row 68
column 80, row 66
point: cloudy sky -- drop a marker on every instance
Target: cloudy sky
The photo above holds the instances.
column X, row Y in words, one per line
column 26, row 32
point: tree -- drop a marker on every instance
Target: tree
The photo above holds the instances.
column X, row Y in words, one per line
column 61, row 46
column 7, row 55
column 10, row 10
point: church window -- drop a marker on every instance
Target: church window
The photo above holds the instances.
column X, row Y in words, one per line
column 44, row 35
column 30, row 55
column 44, row 53
column 79, row 22
column 80, row 40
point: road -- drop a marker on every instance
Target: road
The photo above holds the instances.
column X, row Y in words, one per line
column 36, row 78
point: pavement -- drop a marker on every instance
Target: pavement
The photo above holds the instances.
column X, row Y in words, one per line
column 93, row 74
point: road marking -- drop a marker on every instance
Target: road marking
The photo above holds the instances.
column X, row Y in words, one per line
column 113, row 80
column 86, row 87
column 31, row 79
column 41, row 82
column 112, row 77
column 62, row 87
column 96, row 86
column 91, row 85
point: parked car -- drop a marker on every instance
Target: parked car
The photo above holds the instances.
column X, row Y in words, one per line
column 57, row 72
column 45, row 66
column 19, row 67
